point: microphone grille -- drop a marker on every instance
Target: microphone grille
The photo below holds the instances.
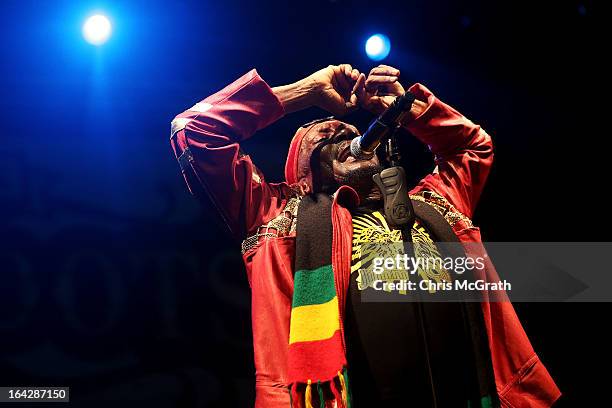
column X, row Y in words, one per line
column 356, row 149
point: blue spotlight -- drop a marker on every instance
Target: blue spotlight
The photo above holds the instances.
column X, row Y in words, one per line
column 378, row 47
column 97, row 29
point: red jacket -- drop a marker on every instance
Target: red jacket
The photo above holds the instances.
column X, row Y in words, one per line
column 206, row 138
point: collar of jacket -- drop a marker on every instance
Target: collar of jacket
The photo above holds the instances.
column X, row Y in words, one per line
column 346, row 196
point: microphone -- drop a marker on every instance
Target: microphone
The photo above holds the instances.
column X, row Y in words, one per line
column 364, row 146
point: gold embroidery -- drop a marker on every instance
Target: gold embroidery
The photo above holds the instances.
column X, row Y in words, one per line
column 282, row 225
column 441, row 204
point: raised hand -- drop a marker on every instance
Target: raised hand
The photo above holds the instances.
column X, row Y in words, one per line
column 376, row 92
column 334, row 88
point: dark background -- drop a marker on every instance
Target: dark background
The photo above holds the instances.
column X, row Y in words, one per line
column 115, row 282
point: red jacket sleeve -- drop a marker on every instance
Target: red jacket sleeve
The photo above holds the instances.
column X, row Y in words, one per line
column 463, row 152
column 209, row 134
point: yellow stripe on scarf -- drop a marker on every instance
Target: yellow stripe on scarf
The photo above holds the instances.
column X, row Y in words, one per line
column 314, row 322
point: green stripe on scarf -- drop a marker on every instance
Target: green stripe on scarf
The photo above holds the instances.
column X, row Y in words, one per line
column 313, row 287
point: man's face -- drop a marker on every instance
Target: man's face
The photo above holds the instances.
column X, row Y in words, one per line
column 331, row 161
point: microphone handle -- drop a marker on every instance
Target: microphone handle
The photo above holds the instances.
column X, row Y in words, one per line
column 387, row 121
column 400, row 105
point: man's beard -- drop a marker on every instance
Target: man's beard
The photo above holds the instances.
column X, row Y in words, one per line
column 361, row 179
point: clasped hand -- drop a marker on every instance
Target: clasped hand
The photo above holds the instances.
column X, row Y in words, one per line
column 341, row 89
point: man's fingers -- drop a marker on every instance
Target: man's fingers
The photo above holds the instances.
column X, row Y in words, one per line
column 352, row 74
column 381, row 79
column 345, row 79
column 343, row 86
column 352, row 104
column 375, row 81
column 342, row 70
column 346, row 69
column 385, row 70
column 359, row 88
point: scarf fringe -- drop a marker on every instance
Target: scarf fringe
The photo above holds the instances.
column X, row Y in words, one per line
column 294, row 396
column 321, row 397
column 342, row 389
column 349, row 401
column 339, row 387
column 308, row 397
column 337, row 394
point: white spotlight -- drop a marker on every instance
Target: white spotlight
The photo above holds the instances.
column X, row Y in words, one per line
column 97, row 29
column 378, row 47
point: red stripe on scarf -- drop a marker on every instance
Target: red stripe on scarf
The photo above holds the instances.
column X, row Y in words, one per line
column 324, row 358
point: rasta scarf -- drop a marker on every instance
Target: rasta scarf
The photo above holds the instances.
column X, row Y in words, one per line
column 316, row 346
column 317, row 365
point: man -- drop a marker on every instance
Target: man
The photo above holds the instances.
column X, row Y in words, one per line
column 301, row 247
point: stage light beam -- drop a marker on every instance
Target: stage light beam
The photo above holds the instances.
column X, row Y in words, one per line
column 378, row 47
column 97, row 29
